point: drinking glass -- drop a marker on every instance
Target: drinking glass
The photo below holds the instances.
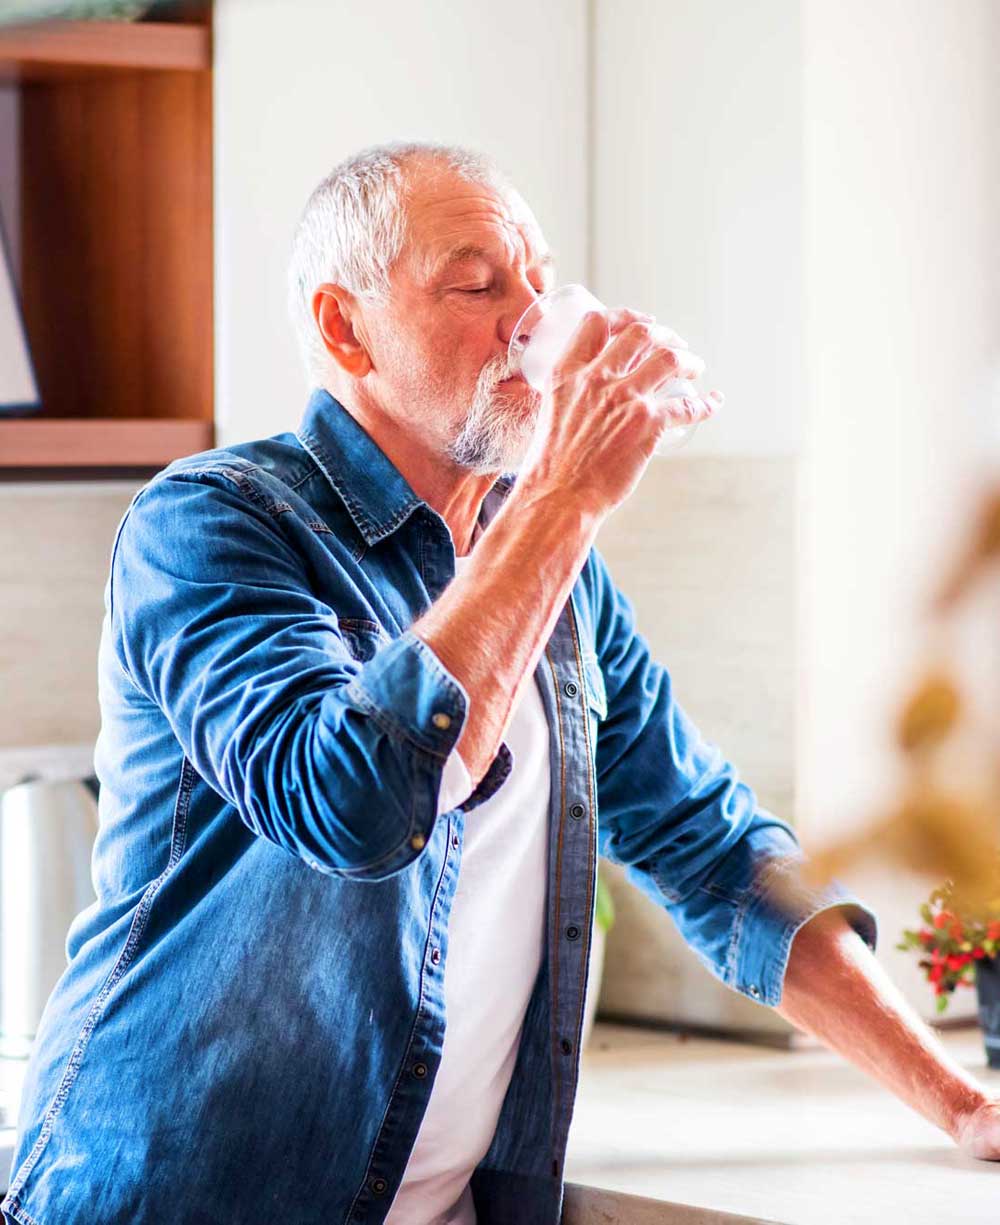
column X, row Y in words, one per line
column 544, row 330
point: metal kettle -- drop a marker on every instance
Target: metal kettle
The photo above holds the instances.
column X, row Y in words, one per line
column 47, row 832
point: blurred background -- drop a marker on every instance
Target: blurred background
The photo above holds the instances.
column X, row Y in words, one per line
column 808, row 192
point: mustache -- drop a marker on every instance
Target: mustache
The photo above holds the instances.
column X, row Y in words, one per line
column 495, row 371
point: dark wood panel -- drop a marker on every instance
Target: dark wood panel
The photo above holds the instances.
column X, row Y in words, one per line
column 117, row 243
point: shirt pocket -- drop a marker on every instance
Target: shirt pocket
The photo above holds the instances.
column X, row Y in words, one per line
column 597, row 697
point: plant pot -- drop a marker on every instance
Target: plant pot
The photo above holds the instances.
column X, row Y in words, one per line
column 988, row 991
column 594, row 973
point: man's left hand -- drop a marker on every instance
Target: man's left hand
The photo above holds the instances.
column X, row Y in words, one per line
column 978, row 1133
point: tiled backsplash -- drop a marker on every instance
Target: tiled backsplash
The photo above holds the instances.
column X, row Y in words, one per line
column 55, row 541
column 705, row 548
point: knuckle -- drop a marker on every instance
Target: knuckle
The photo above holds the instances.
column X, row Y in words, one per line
column 637, row 327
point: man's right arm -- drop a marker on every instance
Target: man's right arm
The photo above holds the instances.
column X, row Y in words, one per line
column 490, row 625
column 597, row 429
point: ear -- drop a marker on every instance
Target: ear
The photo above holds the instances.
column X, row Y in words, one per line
column 334, row 308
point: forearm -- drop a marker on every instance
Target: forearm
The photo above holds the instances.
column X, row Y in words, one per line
column 490, row 625
column 836, row 990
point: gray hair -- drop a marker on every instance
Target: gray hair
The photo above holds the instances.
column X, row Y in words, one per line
column 353, row 228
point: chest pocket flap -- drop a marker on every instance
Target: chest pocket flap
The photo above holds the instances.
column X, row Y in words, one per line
column 597, row 696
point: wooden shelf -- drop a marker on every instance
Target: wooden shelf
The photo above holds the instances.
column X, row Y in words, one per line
column 61, row 48
column 67, row 442
column 115, row 170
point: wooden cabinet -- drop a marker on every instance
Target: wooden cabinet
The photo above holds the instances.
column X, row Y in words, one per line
column 116, row 241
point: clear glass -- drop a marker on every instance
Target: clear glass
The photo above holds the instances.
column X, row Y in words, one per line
column 544, row 330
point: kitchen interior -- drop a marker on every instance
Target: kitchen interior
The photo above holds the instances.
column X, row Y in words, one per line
column 809, row 193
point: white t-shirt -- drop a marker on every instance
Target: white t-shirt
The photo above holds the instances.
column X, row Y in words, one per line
column 495, row 942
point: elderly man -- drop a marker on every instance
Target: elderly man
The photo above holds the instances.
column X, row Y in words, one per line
column 371, row 707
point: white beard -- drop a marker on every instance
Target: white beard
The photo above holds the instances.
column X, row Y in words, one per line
column 498, row 427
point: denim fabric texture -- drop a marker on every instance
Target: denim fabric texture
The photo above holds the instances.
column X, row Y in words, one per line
column 249, row 1024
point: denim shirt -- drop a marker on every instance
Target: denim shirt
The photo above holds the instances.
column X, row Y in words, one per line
column 252, row 1014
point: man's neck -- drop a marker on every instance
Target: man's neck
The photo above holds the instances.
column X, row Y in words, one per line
column 455, row 493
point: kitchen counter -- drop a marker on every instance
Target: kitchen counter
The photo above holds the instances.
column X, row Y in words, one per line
column 692, row 1131
column 797, row 1137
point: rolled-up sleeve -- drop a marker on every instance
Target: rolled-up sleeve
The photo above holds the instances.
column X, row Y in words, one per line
column 338, row 761
column 690, row 833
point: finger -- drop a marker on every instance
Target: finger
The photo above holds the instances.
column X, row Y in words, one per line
column 688, row 410
column 626, row 349
column 620, row 317
column 589, row 338
column 661, row 365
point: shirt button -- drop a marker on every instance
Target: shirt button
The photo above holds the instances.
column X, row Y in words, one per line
column 572, row 932
column 566, row 1046
column 441, row 720
column 420, row 1070
column 436, row 956
column 754, row 991
column 418, row 842
column 577, row 811
column 570, row 689
column 454, row 841
column 379, row 1186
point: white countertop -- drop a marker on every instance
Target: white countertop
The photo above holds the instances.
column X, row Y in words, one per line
column 793, row 1136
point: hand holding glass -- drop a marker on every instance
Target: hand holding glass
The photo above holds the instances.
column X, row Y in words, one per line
column 543, row 333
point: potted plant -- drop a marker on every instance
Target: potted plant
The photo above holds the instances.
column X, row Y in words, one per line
column 604, row 918
column 959, row 944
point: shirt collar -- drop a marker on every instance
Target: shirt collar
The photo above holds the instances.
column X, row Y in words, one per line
column 376, row 494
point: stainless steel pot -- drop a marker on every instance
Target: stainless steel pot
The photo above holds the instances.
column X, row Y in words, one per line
column 47, row 832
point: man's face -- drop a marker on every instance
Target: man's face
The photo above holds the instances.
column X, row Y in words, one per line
column 474, row 259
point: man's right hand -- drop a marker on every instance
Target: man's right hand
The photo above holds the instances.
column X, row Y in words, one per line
column 599, row 424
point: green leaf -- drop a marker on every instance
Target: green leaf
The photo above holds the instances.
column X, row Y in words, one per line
column 942, row 1003
column 604, row 907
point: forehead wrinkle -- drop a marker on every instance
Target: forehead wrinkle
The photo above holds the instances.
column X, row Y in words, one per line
column 468, row 251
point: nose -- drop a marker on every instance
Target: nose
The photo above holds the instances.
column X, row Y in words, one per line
column 516, row 303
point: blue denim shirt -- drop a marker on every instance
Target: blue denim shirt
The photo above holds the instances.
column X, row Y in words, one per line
column 252, row 1014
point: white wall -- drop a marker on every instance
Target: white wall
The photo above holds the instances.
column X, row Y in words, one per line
column 902, row 209
column 298, row 86
column 698, row 197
